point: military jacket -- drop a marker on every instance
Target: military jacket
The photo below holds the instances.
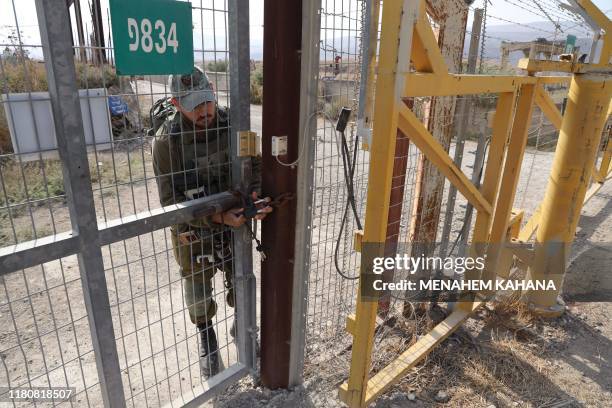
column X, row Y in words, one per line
column 190, row 163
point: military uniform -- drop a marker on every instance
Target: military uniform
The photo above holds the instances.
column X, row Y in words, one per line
column 190, row 164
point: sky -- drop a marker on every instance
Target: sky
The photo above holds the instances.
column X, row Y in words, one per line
column 212, row 37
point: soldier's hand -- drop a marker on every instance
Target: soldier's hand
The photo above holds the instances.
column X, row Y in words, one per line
column 232, row 218
column 264, row 209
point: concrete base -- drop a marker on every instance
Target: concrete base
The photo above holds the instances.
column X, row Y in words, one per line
column 548, row 312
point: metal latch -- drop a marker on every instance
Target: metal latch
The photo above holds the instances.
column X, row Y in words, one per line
column 248, row 144
column 365, row 133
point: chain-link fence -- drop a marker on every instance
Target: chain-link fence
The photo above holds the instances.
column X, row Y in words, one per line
column 445, row 219
column 128, row 311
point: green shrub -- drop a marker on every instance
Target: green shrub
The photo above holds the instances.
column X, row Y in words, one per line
column 257, row 85
column 217, row 66
column 90, row 76
column 6, row 146
column 28, row 75
column 332, row 109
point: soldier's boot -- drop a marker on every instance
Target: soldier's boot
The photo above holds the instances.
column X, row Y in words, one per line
column 233, row 330
column 209, row 350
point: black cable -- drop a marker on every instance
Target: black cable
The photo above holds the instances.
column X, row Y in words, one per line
column 464, row 227
column 348, row 167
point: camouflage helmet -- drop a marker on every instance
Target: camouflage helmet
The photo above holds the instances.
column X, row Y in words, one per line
column 191, row 89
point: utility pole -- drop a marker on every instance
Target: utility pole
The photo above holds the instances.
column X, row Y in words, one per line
column 281, row 116
column 99, row 51
column 79, row 22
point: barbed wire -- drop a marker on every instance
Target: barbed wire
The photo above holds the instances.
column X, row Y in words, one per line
column 483, row 37
column 521, row 24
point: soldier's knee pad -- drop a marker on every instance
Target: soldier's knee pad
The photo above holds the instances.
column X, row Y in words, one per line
column 203, row 312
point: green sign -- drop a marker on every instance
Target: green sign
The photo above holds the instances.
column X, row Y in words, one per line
column 570, row 44
column 152, row 36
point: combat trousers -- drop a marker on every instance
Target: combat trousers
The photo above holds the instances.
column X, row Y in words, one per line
column 199, row 259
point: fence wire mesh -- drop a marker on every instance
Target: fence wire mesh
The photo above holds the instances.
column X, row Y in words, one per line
column 447, row 222
column 45, row 333
column 158, row 284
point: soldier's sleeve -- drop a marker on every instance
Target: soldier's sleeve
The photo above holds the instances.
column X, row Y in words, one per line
column 162, row 168
column 205, row 222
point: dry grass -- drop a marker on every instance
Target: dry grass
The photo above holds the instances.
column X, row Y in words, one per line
column 332, row 109
column 43, row 179
column 29, row 181
column 493, row 360
column 498, row 358
column 32, row 205
column 19, row 75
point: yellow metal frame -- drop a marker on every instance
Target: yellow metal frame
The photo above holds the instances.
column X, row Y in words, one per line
column 600, row 175
column 496, row 221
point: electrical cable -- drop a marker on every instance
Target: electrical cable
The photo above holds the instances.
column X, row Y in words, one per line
column 302, row 145
column 464, row 227
column 348, row 166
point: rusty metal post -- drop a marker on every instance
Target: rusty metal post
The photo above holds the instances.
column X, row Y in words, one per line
column 452, row 17
column 396, row 199
column 462, row 114
column 281, row 115
column 581, row 129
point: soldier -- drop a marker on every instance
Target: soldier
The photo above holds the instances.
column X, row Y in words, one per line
column 191, row 160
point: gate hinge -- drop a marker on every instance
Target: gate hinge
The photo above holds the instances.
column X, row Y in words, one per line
column 248, row 144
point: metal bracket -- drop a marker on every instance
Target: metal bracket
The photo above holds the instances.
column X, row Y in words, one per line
column 365, row 133
column 358, row 240
column 248, row 143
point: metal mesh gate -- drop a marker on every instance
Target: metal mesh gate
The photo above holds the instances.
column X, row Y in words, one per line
column 91, row 296
column 331, row 297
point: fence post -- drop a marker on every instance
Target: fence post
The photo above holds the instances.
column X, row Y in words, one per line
column 462, row 113
column 587, row 111
column 311, row 22
column 242, row 172
column 280, row 117
column 55, row 35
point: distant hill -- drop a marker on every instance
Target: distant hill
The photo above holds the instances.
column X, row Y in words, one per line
column 495, row 35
